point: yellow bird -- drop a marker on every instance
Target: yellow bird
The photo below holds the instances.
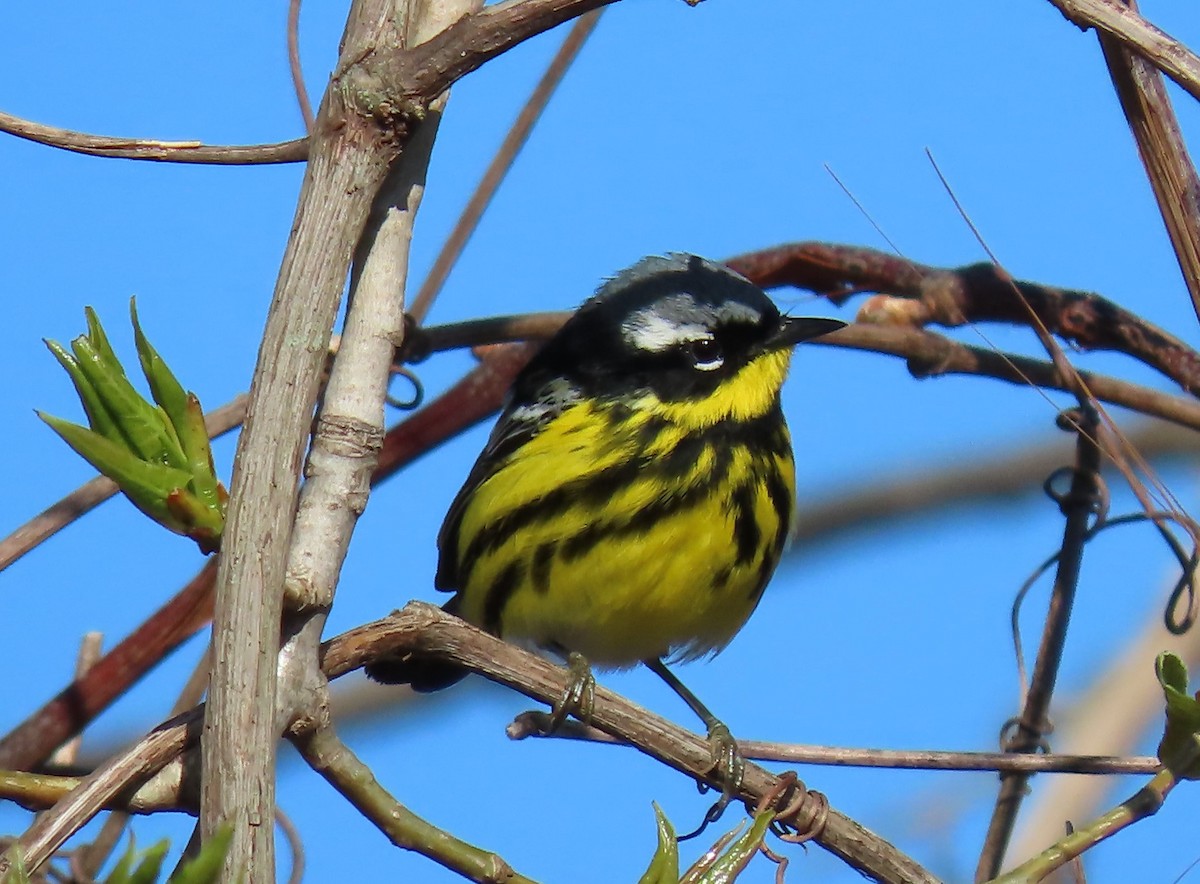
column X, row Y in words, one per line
column 636, row 493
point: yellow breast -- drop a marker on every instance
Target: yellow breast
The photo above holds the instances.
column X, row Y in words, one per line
column 626, row 531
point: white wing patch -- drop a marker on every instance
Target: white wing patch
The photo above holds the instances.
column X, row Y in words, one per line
column 552, row 399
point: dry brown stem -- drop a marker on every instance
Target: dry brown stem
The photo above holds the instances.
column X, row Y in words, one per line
column 153, row 149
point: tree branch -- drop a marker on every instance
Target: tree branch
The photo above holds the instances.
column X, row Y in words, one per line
column 927, row 354
column 94, row 792
column 353, row 145
column 153, row 149
column 1151, row 118
column 1117, row 20
column 476, row 39
column 975, row 293
column 537, row 724
column 498, row 168
column 423, row 629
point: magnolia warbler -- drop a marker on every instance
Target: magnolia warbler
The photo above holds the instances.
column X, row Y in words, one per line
column 635, row 495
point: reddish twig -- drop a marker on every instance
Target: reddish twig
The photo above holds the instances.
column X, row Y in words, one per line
column 975, row 293
column 32, row 741
column 926, row 354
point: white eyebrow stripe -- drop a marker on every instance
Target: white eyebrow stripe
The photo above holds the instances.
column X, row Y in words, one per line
column 649, row 330
column 678, row 318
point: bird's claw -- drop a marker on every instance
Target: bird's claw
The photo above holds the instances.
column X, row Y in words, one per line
column 727, row 761
column 578, row 697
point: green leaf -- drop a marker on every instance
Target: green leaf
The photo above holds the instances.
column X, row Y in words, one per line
column 184, row 416
column 206, row 867
column 1171, row 672
column 158, row 453
column 147, row 485
column 738, row 855
column 1178, row 748
column 99, row 341
column 164, row 387
column 140, row 423
column 664, row 865
column 193, row 434
column 98, row 417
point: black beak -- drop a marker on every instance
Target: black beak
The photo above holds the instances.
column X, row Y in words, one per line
column 794, row 329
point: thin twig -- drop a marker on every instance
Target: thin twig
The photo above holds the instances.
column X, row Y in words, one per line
column 1125, row 682
column 294, row 151
column 1147, row 108
column 535, row 724
column 40, row 792
column 1079, row 505
column 95, row 791
column 502, row 162
column 294, row 66
column 87, row 862
column 895, row 498
column 295, row 845
column 334, row 761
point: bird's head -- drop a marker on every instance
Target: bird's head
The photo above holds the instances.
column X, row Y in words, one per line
column 702, row 341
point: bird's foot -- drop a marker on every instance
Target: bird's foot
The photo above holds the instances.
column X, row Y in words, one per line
column 578, row 697
column 727, row 761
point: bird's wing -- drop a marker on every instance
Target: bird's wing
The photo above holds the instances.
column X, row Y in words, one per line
column 522, row 419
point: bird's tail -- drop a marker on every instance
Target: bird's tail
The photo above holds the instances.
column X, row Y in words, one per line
column 420, row 673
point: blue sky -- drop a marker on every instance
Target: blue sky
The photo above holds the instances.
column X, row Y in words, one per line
column 706, row 130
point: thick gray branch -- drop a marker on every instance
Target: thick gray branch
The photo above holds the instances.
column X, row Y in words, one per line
column 350, row 156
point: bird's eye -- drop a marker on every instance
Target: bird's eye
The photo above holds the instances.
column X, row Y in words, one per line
column 706, row 354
